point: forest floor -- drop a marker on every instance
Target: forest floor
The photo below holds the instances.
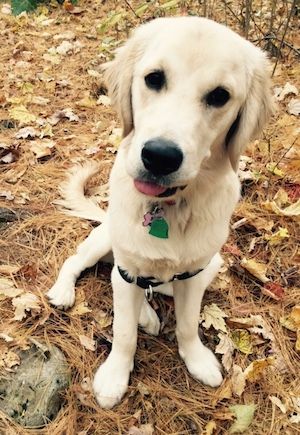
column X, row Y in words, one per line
column 49, row 62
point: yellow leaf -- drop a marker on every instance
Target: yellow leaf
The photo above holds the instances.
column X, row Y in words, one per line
column 212, row 315
column 80, row 309
column 292, row 321
column 256, row 269
column 254, row 371
column 210, row 428
column 276, row 238
column 295, row 315
column 291, row 210
column 244, row 416
column 242, row 341
column 87, row 102
column 273, row 168
column 20, row 113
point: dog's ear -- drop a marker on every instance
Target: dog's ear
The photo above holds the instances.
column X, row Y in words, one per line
column 256, row 111
column 118, row 78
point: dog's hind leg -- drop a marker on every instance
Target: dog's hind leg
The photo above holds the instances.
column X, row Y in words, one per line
column 92, row 249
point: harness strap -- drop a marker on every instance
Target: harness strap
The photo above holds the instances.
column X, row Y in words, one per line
column 146, row 282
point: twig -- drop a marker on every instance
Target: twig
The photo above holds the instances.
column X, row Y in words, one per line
column 233, row 13
column 284, row 33
column 132, row 10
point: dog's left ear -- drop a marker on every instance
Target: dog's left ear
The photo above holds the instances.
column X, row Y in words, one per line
column 256, row 111
column 118, row 77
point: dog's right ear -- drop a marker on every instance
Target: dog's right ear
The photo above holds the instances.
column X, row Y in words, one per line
column 118, row 77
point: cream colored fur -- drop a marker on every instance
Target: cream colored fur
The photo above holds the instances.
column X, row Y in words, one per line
column 197, row 55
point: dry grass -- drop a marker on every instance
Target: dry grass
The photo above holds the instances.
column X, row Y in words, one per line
column 42, row 238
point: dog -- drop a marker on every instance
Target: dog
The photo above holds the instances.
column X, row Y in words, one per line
column 191, row 94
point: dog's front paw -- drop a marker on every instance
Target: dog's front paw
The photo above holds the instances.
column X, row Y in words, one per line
column 202, row 364
column 110, row 383
column 62, row 295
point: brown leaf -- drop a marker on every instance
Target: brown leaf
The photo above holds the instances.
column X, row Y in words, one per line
column 273, row 290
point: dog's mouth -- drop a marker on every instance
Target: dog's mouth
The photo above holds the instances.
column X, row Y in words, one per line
column 152, row 189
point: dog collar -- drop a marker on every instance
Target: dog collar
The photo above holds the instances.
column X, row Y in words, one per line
column 147, row 283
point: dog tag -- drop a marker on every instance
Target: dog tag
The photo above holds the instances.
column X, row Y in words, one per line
column 159, row 228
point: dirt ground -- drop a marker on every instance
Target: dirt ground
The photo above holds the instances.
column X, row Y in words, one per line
column 49, row 62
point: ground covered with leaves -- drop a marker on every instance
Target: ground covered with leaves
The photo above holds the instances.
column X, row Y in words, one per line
column 54, row 113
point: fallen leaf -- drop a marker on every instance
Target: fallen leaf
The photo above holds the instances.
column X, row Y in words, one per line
column 87, row 342
column 104, row 100
column 226, row 348
column 64, row 48
column 143, row 389
column 277, row 238
column 9, row 359
column 254, row 371
column 294, row 107
column 242, row 341
column 80, row 309
column 26, row 132
column 238, row 380
column 20, row 113
column 6, row 337
column 8, row 289
column 244, row 416
column 103, row 319
column 42, row 148
column 144, row 429
column 291, row 210
column 87, row 102
column 25, row 302
column 7, row 195
column 256, row 269
column 59, row 115
column 281, row 93
column 212, row 315
column 273, row 168
column 40, row 101
column 273, row 290
column 8, row 269
column 210, row 428
column 276, row 401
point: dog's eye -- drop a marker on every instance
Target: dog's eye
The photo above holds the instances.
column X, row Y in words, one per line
column 155, row 80
column 217, row 98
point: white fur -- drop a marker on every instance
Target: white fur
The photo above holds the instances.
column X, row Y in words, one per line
column 197, row 55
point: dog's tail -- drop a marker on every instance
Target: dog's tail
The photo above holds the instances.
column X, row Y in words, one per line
column 74, row 202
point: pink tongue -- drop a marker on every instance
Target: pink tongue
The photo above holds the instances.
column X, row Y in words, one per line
column 151, row 189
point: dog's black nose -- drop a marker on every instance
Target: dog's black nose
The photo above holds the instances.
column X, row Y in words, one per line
column 161, row 156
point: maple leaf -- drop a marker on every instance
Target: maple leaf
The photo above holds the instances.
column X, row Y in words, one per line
column 212, row 315
column 20, row 113
column 80, row 309
column 273, row 290
column 226, row 348
column 25, row 302
column 42, row 148
column 242, row 341
column 244, row 416
column 256, row 269
column 254, row 371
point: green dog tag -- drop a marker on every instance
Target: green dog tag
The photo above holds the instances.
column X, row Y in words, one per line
column 159, row 228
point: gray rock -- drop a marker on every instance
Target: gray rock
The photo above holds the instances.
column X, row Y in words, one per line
column 32, row 394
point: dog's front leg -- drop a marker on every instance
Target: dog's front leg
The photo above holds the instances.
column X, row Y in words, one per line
column 112, row 377
column 200, row 361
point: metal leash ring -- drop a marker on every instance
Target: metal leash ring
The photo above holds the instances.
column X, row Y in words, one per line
column 149, row 293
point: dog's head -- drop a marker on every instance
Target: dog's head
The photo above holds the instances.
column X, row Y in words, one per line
column 190, row 92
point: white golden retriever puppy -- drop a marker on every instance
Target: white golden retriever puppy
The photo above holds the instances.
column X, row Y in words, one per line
column 191, row 94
